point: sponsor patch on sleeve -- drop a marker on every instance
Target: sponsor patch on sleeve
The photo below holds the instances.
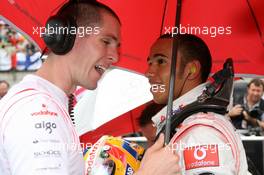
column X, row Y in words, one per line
column 201, row 156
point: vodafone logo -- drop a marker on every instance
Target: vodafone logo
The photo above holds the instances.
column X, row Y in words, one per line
column 91, row 156
column 199, row 153
column 201, row 156
column 44, row 112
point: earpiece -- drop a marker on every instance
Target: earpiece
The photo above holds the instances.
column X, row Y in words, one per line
column 58, row 36
column 193, row 69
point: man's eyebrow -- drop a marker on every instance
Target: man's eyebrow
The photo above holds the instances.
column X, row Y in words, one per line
column 115, row 39
column 159, row 55
column 156, row 55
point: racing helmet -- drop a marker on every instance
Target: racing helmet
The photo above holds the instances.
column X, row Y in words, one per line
column 112, row 156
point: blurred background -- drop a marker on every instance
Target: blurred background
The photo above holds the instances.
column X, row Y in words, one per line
column 18, row 56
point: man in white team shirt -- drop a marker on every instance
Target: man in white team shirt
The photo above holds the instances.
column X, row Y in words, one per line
column 37, row 136
column 206, row 142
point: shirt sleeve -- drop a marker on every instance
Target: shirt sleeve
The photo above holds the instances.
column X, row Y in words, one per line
column 203, row 149
column 36, row 139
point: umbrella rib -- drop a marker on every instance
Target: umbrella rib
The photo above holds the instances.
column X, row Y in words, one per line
column 172, row 75
column 178, row 13
column 255, row 21
column 163, row 17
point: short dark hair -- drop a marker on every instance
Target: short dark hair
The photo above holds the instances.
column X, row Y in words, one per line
column 193, row 48
column 150, row 110
column 86, row 12
column 257, row 82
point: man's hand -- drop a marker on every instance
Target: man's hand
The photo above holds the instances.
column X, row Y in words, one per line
column 253, row 121
column 159, row 160
column 235, row 111
column 247, row 117
column 261, row 124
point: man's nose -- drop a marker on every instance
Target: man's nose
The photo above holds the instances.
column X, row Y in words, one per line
column 256, row 93
column 150, row 72
column 113, row 55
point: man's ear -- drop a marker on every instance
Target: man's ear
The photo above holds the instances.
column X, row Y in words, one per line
column 194, row 69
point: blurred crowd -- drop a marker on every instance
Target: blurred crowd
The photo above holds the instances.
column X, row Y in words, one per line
column 16, row 52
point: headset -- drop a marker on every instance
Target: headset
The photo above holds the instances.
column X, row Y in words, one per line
column 60, row 42
column 58, row 37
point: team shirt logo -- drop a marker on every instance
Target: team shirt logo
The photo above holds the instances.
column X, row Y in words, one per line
column 201, row 156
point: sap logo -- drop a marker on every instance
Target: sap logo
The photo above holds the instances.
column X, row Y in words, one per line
column 48, row 126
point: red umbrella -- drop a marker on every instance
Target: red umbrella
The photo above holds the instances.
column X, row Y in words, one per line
column 124, row 124
column 142, row 21
column 230, row 28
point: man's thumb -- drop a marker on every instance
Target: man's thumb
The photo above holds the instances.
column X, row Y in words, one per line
column 159, row 143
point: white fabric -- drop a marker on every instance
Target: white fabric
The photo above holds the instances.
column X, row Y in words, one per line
column 118, row 92
column 201, row 130
column 36, row 134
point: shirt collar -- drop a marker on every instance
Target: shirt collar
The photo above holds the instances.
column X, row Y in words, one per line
column 189, row 97
column 48, row 87
column 254, row 106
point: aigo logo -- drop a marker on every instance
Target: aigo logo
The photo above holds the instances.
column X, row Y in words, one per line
column 47, row 126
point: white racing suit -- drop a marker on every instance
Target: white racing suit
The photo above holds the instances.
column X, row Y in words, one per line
column 205, row 142
column 37, row 136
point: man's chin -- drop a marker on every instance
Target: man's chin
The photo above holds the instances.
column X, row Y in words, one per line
column 91, row 86
column 159, row 99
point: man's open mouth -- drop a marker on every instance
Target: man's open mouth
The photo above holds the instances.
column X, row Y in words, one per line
column 100, row 69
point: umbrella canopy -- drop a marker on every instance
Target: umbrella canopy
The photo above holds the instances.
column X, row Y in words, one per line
column 230, row 28
column 118, row 92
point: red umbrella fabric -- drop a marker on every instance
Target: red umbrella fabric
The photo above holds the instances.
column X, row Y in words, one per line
column 239, row 25
column 124, row 124
column 230, row 28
